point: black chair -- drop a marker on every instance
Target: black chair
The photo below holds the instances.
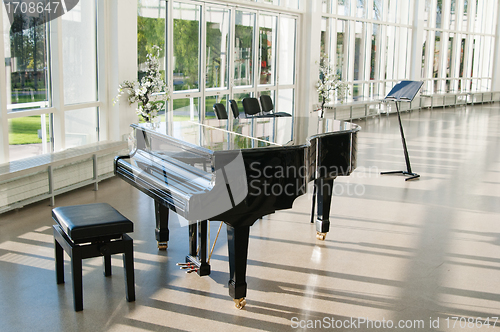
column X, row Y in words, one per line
column 92, row 230
column 267, row 103
column 220, row 111
column 251, row 106
column 234, row 108
column 267, row 106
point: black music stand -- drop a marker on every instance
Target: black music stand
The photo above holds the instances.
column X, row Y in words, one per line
column 404, row 91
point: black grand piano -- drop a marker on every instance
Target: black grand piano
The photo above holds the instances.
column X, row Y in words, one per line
column 236, row 171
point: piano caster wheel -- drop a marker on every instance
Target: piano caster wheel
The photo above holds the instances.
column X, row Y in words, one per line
column 320, row 236
column 240, row 303
column 162, row 245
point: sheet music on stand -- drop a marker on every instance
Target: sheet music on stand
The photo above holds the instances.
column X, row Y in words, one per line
column 404, row 91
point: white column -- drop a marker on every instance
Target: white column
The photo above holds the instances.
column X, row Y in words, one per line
column 309, row 42
column 121, row 59
column 417, row 40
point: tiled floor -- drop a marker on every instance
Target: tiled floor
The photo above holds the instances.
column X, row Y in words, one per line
column 404, row 252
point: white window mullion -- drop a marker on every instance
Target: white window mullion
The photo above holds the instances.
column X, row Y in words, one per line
column 102, row 84
column 57, row 84
column 203, row 61
column 256, row 48
column 230, row 57
column 169, row 55
column 276, row 62
column 4, row 129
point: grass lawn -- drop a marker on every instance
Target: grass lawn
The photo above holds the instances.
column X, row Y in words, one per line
column 25, row 130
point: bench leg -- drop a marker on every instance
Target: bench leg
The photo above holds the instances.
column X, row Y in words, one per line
column 128, row 264
column 76, row 271
column 59, row 262
column 107, row 265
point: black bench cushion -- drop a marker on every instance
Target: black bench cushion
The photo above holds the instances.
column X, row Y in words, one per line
column 91, row 221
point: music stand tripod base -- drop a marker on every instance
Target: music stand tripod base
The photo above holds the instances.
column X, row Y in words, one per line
column 412, row 175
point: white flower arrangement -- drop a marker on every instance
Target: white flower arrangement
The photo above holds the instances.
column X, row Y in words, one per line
column 329, row 82
column 141, row 92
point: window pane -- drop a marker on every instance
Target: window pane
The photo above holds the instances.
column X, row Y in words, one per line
column 449, row 61
column 377, row 9
column 285, row 101
column 267, row 46
column 403, row 12
column 439, row 13
column 150, row 32
column 80, row 126
column 26, row 64
column 344, row 7
column 186, row 46
column 361, row 8
column 243, row 48
column 375, row 54
column 323, row 35
column 391, row 8
column 461, row 64
column 209, row 105
column 452, row 14
column 79, row 53
column 341, row 39
column 428, row 13
column 217, row 36
column 437, row 49
column 465, row 15
column 186, row 109
column 292, row 4
column 287, row 50
column 358, row 47
column 29, row 136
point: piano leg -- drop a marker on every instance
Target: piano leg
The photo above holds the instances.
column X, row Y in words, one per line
column 198, row 255
column 237, row 242
column 324, row 189
column 161, row 231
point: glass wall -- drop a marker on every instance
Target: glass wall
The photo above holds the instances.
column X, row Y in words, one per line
column 459, row 31
column 374, row 46
column 221, row 52
column 51, row 78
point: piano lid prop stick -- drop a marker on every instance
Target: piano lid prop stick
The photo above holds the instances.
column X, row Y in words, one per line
column 215, row 241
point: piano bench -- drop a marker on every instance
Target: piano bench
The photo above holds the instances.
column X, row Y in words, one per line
column 92, row 230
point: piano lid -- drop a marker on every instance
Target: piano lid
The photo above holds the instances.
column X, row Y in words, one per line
column 218, row 135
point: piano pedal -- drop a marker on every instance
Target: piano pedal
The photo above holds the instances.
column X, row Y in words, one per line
column 240, row 303
column 320, row 236
column 184, row 266
column 162, row 245
column 192, row 270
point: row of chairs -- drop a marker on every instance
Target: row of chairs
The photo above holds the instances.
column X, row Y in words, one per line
column 251, row 107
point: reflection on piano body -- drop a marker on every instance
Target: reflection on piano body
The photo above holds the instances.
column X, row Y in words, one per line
column 236, row 171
